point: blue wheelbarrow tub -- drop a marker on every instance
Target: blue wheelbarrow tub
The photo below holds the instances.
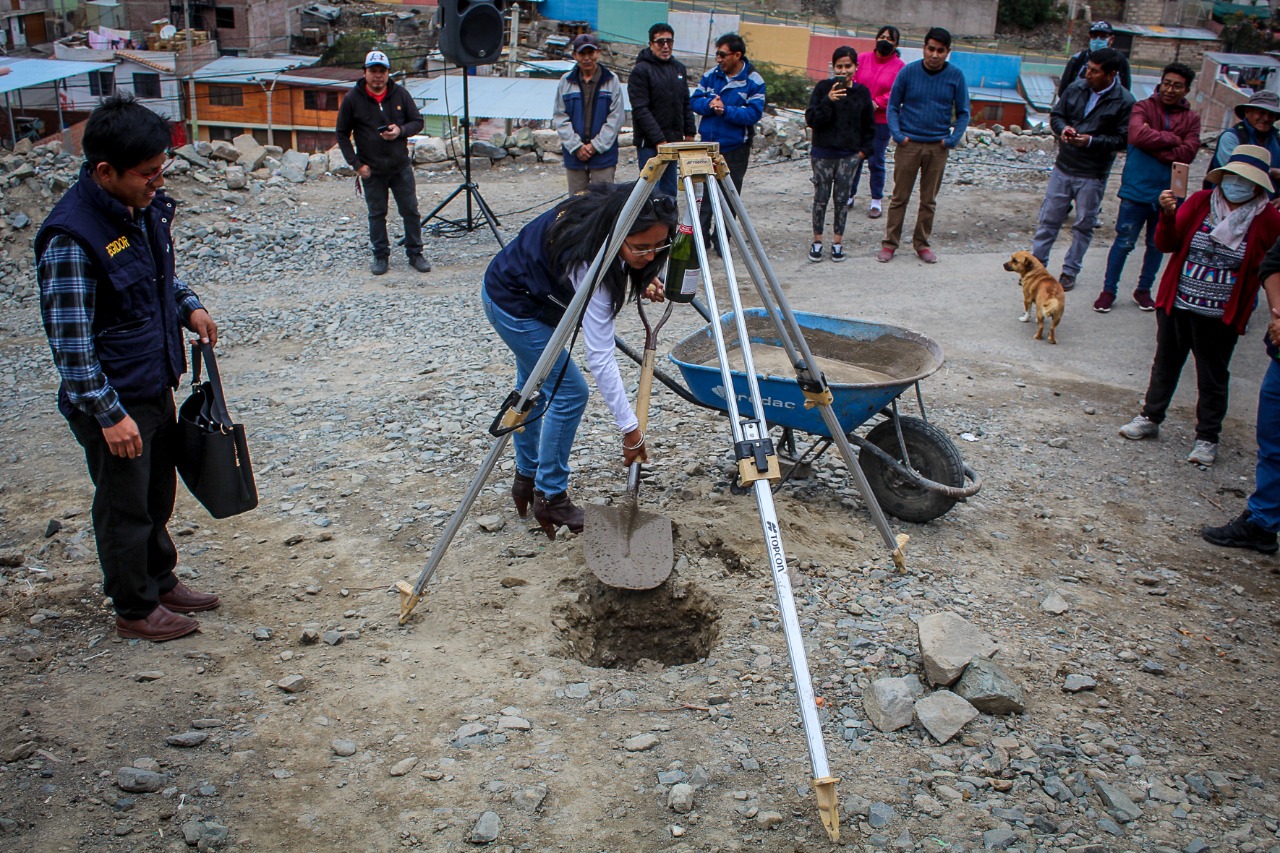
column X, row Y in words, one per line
column 902, row 354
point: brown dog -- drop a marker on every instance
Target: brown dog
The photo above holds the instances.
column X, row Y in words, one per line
column 1042, row 289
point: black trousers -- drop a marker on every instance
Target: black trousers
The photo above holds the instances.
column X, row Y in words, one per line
column 1211, row 342
column 132, row 502
column 737, row 160
column 402, row 186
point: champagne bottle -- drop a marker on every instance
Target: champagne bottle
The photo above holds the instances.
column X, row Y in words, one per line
column 684, row 275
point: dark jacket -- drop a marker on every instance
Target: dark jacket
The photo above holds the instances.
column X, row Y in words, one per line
column 137, row 331
column 849, row 123
column 361, row 115
column 570, row 119
column 1075, row 71
column 521, row 280
column 1108, row 124
column 659, row 93
column 1243, row 134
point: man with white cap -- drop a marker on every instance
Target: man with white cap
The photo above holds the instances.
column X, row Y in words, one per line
column 381, row 116
column 1101, row 35
column 588, row 117
column 1256, row 127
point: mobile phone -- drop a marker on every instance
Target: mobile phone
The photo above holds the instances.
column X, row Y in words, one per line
column 1178, row 180
column 842, row 82
column 384, row 128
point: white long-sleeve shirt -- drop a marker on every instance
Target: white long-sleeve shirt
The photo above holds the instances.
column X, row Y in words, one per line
column 597, row 334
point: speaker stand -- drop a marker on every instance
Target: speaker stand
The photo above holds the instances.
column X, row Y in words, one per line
column 468, row 187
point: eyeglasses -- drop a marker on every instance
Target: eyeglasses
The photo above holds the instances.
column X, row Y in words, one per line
column 1170, row 84
column 152, row 177
column 651, row 250
column 664, row 42
column 724, row 54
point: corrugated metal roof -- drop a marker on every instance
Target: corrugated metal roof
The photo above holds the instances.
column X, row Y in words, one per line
column 245, row 69
column 491, row 97
column 1187, row 33
column 1249, row 60
column 1040, row 90
column 25, row 73
column 992, row 95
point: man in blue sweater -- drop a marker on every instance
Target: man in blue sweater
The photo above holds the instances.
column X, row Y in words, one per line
column 928, row 113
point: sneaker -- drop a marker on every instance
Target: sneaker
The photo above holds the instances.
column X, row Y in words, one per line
column 1144, row 300
column 837, row 253
column 1241, row 533
column 420, row 263
column 379, row 266
column 884, row 255
column 926, row 254
column 1104, row 302
column 815, row 252
column 1067, row 280
column 849, row 203
column 1139, row 428
column 1203, row 453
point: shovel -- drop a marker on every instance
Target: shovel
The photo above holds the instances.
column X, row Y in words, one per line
column 626, row 547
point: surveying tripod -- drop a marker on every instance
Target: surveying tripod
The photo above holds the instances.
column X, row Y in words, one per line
column 701, row 163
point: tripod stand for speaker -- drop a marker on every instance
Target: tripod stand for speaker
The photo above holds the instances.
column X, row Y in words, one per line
column 468, row 187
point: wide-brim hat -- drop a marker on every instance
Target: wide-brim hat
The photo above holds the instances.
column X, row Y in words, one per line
column 1251, row 162
column 1265, row 101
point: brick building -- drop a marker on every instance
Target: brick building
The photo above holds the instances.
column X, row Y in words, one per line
column 240, row 27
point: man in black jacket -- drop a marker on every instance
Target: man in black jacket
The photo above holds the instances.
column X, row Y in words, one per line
column 382, row 116
column 659, row 96
column 1091, row 122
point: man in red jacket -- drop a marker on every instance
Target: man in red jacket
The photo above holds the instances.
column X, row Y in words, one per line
column 1163, row 130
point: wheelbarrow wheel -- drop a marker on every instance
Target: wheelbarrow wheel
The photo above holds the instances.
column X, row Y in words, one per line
column 932, row 455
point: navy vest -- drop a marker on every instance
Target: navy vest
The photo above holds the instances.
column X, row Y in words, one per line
column 520, row 279
column 137, row 333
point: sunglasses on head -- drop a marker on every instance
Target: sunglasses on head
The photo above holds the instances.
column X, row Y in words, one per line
column 661, row 206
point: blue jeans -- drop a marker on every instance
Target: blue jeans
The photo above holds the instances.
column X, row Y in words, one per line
column 875, row 164
column 1131, row 219
column 1264, row 503
column 1062, row 192
column 667, row 183
column 542, row 449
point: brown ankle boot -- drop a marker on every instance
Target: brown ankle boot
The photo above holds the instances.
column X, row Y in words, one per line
column 552, row 511
column 522, row 493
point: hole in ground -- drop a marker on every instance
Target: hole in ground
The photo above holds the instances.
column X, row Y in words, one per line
column 621, row 628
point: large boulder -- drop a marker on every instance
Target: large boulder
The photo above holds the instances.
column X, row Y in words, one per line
column 252, row 153
column 191, row 155
column 948, row 643
column 338, row 165
column 317, row 165
column 222, row 150
column 943, row 714
column 236, row 178
column 430, row 149
column 888, row 704
column 987, row 687
column 293, row 166
column 548, row 141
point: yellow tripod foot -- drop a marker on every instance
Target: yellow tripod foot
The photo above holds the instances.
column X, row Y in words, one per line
column 408, row 600
column 900, row 553
column 828, row 805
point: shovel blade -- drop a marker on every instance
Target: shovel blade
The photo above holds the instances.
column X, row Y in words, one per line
column 626, row 547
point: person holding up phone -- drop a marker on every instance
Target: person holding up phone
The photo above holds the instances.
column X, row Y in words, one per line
column 842, row 118
column 1163, row 130
column 380, row 116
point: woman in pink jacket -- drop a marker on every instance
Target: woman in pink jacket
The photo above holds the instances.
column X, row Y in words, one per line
column 877, row 69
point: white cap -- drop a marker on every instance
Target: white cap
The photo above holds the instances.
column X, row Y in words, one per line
column 376, row 57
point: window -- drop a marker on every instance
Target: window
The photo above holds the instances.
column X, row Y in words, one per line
column 146, row 85
column 226, row 96
column 224, row 17
column 226, row 134
column 318, row 99
column 102, row 83
column 991, row 112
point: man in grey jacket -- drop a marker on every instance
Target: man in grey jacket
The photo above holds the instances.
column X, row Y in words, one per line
column 588, row 117
column 1091, row 122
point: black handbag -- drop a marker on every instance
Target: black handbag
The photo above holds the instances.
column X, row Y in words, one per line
column 213, row 456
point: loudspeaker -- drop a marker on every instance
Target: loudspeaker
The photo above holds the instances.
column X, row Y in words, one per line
column 471, row 31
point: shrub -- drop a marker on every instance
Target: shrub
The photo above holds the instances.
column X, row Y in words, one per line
column 1026, row 14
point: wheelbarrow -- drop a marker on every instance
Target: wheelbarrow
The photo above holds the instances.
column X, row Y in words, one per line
column 915, row 471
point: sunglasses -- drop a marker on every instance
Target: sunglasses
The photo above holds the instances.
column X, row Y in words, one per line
column 723, row 54
column 152, row 177
column 664, row 41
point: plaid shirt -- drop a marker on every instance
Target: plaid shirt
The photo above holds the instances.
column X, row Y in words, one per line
column 67, row 291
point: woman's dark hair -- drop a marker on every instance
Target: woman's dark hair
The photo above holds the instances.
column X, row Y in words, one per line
column 841, row 52
column 124, row 133
column 584, row 223
column 734, row 42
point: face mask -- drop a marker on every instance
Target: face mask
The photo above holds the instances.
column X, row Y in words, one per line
column 1097, row 44
column 884, row 47
column 1236, row 189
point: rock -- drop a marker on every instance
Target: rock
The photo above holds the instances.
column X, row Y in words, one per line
column 20, row 220
column 491, row 523
column 52, row 527
column 947, row 644
column 333, row 638
column 548, row 141
column 486, row 829
column 888, row 704
column 236, row 178
column 317, row 165
column 138, row 781
column 404, row 766
column 430, row 150
column 11, row 558
column 1075, row 682
column 189, row 153
column 680, row 798
column 187, row 739
column 22, row 751
column 338, row 165
column 224, row 151
column 517, row 724
column 640, row 743
column 768, row 820
column 880, row 815
column 293, row 166
column 342, row 747
column 943, row 714
column 1054, row 603
column 529, row 799
column 987, row 687
column 1000, row 838
column 252, row 153
column 470, row 730
column 148, row 675
column 292, row 684
column 1118, row 802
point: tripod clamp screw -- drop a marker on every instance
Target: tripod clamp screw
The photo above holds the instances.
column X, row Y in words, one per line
column 509, row 418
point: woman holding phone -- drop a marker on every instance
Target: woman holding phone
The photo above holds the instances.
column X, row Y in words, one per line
column 843, row 123
column 877, row 69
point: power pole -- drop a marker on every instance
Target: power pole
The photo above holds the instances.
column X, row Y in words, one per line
column 191, row 76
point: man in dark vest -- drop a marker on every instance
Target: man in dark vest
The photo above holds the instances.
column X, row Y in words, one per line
column 114, row 311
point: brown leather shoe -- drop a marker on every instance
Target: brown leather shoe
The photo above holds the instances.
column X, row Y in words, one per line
column 162, row 624
column 552, row 511
column 184, row 599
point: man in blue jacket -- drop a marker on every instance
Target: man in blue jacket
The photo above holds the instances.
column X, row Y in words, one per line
column 928, row 113
column 730, row 98
column 588, row 117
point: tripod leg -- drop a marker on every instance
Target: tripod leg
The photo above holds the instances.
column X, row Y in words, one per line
column 487, row 213
column 435, row 212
